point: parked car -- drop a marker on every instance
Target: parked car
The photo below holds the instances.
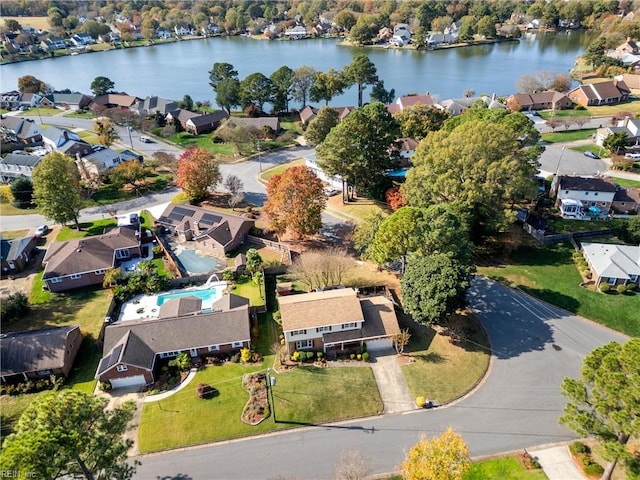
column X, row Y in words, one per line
column 145, row 139
column 42, row 230
column 590, row 154
column 634, row 156
column 330, row 192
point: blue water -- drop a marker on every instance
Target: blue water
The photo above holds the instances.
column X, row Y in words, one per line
column 209, row 295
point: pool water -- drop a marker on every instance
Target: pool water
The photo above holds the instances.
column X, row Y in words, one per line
column 194, row 263
column 208, row 295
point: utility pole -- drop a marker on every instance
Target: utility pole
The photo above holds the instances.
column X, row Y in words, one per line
column 271, row 382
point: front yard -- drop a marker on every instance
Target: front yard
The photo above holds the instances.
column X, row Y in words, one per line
column 550, row 274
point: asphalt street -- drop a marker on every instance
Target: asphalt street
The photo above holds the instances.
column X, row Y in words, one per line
column 534, row 347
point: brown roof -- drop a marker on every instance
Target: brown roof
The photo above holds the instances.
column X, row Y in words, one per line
column 379, row 321
column 119, row 99
column 87, row 254
column 271, row 122
column 628, row 194
column 631, row 80
column 393, row 108
column 343, row 112
column 411, row 100
column 318, row 309
column 586, row 184
column 308, row 113
column 604, row 90
column 407, row 144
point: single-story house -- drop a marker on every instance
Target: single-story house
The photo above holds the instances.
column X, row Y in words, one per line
column 626, row 200
column 214, row 232
column 21, row 130
column 614, row 264
column 34, row 354
column 603, row 93
column 16, row 165
column 632, row 80
column 132, row 347
column 205, row 123
column 260, row 122
column 181, row 115
column 84, row 261
column 100, row 160
column 335, row 320
column 121, row 101
column 307, row 114
column 409, row 101
column 549, row 100
column 66, row 101
column 343, row 112
column 457, row 106
column 581, row 197
column 296, row 33
column 16, row 253
column 154, row 104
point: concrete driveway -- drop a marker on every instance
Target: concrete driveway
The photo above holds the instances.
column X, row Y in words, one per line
column 392, row 385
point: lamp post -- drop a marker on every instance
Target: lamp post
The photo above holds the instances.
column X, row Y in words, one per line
column 271, row 382
column 259, row 156
column 559, row 160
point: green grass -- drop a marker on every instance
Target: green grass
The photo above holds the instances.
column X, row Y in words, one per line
column 87, row 229
column 80, row 115
column 570, row 113
column 549, row 273
column 267, row 174
column 249, row 289
column 357, row 210
column 41, row 112
column 204, row 141
column 442, row 371
column 291, row 126
column 601, row 152
column 9, row 234
column 569, row 136
column 565, row 225
column 502, row 468
column 88, row 137
column 111, row 193
column 623, row 182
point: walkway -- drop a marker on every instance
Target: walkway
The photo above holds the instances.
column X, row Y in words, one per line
column 558, row 463
column 392, row 385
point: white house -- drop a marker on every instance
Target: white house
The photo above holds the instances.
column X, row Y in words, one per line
column 296, row 33
column 613, row 264
column 583, row 197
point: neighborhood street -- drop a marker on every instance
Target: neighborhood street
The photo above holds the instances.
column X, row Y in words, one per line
column 534, row 347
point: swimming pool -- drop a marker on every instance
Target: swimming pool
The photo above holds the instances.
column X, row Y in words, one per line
column 208, row 295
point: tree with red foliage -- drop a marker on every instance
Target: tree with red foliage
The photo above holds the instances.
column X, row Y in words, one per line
column 295, row 202
column 395, row 198
column 198, row 171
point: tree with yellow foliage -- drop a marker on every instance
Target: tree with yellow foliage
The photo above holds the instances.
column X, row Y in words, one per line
column 440, row 458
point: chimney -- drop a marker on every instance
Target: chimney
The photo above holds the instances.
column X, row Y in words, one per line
column 493, row 97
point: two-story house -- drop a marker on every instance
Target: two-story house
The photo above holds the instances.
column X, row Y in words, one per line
column 583, row 197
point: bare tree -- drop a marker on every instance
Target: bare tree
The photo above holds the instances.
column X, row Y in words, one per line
column 166, row 161
column 234, row 185
column 580, row 121
column 543, row 80
column 401, row 340
column 469, row 92
column 352, row 465
column 320, row 269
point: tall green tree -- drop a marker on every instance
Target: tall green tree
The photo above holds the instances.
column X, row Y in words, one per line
column 327, row 85
column 381, row 94
column 282, row 81
column 56, row 188
column 221, row 71
column 22, row 191
column 595, row 52
column 365, row 234
column 616, row 142
column 361, row 72
column 70, row 434
column 321, row 125
column 365, row 29
column 416, row 122
column 434, row 286
column 604, row 402
column 224, row 81
column 357, row 149
column 399, row 235
column 101, row 86
column 256, row 89
column 303, row 80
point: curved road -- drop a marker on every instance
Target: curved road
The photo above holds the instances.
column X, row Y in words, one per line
column 534, row 347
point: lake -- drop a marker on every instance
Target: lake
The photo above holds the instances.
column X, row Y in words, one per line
column 176, row 69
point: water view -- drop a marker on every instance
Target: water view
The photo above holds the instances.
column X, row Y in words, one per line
column 176, row 69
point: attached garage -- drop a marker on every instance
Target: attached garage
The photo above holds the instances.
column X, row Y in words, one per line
column 381, row 344
column 133, row 381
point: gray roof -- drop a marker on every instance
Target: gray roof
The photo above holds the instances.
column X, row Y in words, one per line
column 209, row 118
column 22, row 159
column 136, row 342
column 14, row 247
column 271, row 122
column 34, row 350
column 613, row 261
column 181, row 306
column 586, row 184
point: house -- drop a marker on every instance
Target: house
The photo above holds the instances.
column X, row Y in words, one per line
column 66, row 101
column 35, row 354
column 628, row 46
column 162, row 32
column 337, row 320
column 153, row 105
column 21, row 130
column 583, row 197
column 102, row 159
column 53, row 43
column 133, row 347
column 630, row 127
column 603, row 93
column 632, row 80
column 548, row 100
column 626, row 200
column 180, row 115
column 409, row 101
column 120, row 101
column 82, row 39
column 214, row 232
column 457, row 106
column 183, row 29
column 311, row 162
column 296, row 33
column 343, row 112
column 16, row 253
column 205, row 123
column 16, row 165
column 10, row 99
column 260, row 123
column 401, row 35
column 613, row 264
column 307, row 114
column 84, row 261
column 405, row 147
column 439, row 38
column 65, row 141
column 29, row 100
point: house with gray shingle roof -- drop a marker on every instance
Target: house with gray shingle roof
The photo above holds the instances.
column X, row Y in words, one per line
column 16, row 253
column 66, row 101
column 22, row 130
column 16, row 165
column 613, row 264
column 132, row 348
column 205, row 123
column 153, row 104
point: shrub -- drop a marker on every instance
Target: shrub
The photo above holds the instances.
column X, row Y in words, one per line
column 604, row 287
column 157, row 251
column 352, row 356
column 235, row 358
column 303, row 356
column 631, row 287
column 245, row 355
column 228, row 276
column 182, row 362
column 365, row 356
column 421, row 401
column 105, row 386
column 14, row 307
column 319, row 355
column 593, row 469
column 204, row 391
column 579, row 447
column 277, row 317
column 621, row 288
column 296, row 356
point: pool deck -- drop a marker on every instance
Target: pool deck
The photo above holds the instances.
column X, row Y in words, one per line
column 142, row 307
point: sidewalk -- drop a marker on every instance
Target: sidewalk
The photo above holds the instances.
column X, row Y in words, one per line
column 557, row 463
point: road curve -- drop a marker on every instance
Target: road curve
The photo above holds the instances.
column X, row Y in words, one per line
column 534, row 347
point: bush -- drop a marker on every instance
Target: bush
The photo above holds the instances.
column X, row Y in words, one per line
column 352, row 356
column 204, row 391
column 245, row 355
column 578, row 448
column 105, row 386
column 319, row 355
column 14, row 307
column 228, row 276
column 604, row 287
column 365, row 356
column 593, row 469
column 157, row 251
column 235, row 358
column 621, row 289
column 631, row 287
column 296, row 356
column 421, row 402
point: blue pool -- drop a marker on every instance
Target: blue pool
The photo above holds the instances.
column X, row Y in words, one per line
column 210, row 295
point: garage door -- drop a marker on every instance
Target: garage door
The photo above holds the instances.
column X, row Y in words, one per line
column 133, row 381
column 373, row 345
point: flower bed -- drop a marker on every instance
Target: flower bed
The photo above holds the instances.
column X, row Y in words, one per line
column 257, row 408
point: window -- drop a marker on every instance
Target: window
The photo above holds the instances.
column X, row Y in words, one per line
column 101, row 271
column 236, row 344
column 346, row 326
column 298, row 332
column 633, row 278
column 121, row 368
column 214, row 348
column 122, row 254
column 44, row 372
column 595, row 194
column 76, row 276
column 323, row 329
column 304, row 344
column 586, row 193
column 612, row 281
column 169, row 354
column 56, row 280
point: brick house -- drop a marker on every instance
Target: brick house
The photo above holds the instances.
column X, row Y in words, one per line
column 613, row 264
column 604, row 93
column 549, row 100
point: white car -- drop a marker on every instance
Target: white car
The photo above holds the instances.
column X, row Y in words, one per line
column 330, row 192
column 42, row 230
column 634, row 156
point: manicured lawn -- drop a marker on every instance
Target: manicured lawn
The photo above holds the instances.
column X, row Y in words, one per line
column 249, row 289
column 549, row 273
column 204, row 141
column 111, row 193
column 87, row 229
column 306, row 395
column 623, row 182
column 357, row 210
column 442, row 371
column 267, row 174
column 89, row 137
column 9, row 234
column 564, row 114
column 601, row 152
column 502, row 468
column 570, row 136
column 564, row 225
column 80, row 115
column 291, row 126
column 609, row 110
column 40, row 111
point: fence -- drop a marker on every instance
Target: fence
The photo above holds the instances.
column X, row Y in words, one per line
column 563, row 237
column 285, row 251
column 170, row 256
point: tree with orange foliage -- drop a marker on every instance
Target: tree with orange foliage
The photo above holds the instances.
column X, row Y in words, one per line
column 395, row 198
column 295, row 202
column 198, row 171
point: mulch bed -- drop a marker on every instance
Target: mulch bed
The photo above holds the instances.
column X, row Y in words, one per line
column 257, row 408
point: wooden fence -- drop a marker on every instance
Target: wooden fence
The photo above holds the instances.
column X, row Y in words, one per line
column 285, row 251
column 545, row 239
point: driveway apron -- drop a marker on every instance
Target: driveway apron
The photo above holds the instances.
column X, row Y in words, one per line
column 392, row 386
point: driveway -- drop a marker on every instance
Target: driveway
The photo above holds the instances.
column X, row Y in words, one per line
column 535, row 347
column 392, row 385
